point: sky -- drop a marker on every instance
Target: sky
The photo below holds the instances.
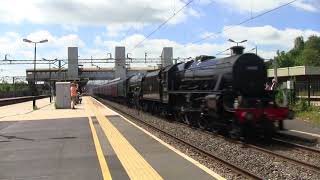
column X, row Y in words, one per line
column 97, row 26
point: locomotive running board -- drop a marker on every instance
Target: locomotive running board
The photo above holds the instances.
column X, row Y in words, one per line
column 194, row 92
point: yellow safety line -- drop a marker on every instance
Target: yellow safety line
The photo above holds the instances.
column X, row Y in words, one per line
column 134, row 164
column 196, row 163
column 102, row 161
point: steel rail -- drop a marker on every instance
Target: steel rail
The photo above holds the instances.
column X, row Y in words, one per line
column 278, row 155
column 258, row 148
column 295, row 145
column 295, row 161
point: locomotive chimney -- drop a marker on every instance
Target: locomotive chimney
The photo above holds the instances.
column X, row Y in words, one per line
column 236, row 50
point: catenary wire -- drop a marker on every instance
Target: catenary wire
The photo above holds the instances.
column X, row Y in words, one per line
column 245, row 21
column 162, row 24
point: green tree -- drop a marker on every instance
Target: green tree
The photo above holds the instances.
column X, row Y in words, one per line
column 303, row 53
column 298, row 43
column 313, row 42
column 283, row 59
column 310, row 57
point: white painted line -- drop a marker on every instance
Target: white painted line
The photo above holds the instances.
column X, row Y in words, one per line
column 198, row 164
column 302, row 132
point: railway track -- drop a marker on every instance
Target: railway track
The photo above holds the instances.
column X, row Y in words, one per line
column 264, row 150
column 8, row 101
column 286, row 158
column 295, row 145
column 256, row 147
column 270, row 152
column 235, row 168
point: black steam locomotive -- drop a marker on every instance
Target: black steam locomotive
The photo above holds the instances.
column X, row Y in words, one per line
column 226, row 94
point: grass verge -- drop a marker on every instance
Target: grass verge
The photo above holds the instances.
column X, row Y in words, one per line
column 308, row 113
column 312, row 115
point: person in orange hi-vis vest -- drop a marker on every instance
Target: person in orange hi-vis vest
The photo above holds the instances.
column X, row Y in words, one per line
column 73, row 91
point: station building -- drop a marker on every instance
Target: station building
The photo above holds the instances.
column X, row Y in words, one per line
column 303, row 80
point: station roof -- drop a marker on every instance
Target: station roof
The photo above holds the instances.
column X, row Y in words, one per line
column 295, row 71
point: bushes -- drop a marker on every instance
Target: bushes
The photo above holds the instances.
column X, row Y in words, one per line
column 306, row 112
column 284, row 97
column 11, row 90
column 301, row 106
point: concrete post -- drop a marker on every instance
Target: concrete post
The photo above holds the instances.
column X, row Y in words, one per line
column 275, row 69
column 309, row 89
column 120, row 63
column 72, row 63
column 59, row 73
column 167, row 56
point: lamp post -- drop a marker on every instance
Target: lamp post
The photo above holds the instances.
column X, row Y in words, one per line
column 50, row 81
column 145, row 57
column 255, row 48
column 34, row 68
column 237, row 42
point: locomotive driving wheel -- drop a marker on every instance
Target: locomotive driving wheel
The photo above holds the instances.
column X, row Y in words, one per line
column 203, row 122
column 268, row 130
column 191, row 118
column 188, row 118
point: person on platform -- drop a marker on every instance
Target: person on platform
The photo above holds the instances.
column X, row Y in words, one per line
column 73, row 91
column 274, row 85
column 267, row 86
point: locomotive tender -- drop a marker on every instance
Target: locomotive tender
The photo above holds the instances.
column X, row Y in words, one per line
column 224, row 94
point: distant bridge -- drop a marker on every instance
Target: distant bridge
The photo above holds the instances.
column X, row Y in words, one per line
column 76, row 72
column 44, row 74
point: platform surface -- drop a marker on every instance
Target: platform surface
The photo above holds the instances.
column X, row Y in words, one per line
column 91, row 142
column 302, row 128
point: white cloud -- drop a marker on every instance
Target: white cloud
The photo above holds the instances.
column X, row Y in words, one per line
column 153, row 47
column 208, row 34
column 307, row 6
column 267, row 35
column 116, row 15
column 55, row 41
column 71, row 28
column 114, row 30
column 268, row 39
column 93, row 12
column 11, row 43
column 258, row 6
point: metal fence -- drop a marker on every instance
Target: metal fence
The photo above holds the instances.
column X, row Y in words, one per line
column 13, row 86
column 301, row 89
column 309, row 91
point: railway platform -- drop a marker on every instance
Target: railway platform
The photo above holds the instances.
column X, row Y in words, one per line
column 90, row 142
column 302, row 129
